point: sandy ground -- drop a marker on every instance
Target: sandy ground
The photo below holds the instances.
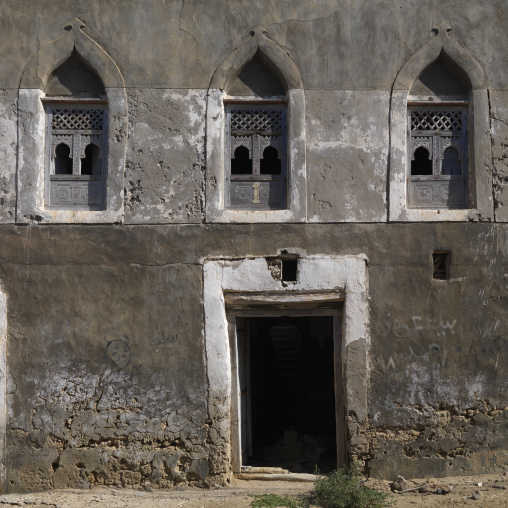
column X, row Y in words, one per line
column 493, row 493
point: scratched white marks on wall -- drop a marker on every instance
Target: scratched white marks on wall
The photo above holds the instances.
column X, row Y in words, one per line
column 417, row 368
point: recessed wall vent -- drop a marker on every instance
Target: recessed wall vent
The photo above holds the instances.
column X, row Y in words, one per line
column 441, row 264
column 289, row 269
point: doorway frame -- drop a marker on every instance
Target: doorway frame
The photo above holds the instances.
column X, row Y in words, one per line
column 313, row 309
column 251, row 282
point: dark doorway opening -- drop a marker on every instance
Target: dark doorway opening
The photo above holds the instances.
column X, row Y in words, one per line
column 289, row 417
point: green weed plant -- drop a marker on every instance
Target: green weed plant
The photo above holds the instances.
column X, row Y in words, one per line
column 275, row 501
column 344, row 489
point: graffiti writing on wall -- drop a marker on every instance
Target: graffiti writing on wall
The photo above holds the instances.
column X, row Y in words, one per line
column 160, row 337
column 418, row 360
column 402, row 330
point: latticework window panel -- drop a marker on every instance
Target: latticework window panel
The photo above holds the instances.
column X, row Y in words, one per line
column 440, row 120
column 77, row 119
column 259, row 120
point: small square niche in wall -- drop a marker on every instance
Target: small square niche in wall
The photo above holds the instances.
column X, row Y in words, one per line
column 289, row 269
column 441, row 264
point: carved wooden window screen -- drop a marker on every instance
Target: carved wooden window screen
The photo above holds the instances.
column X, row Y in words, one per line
column 77, row 119
column 256, row 167
column 76, row 156
column 437, row 157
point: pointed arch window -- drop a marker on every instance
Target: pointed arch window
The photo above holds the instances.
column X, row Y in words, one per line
column 256, row 138
column 443, row 177
column 76, row 154
column 76, row 150
column 72, row 104
column 437, row 122
column 256, row 171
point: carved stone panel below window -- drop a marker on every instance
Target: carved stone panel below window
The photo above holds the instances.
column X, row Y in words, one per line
column 85, row 193
column 435, row 194
column 250, row 194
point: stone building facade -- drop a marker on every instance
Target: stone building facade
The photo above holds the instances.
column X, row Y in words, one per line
column 265, row 232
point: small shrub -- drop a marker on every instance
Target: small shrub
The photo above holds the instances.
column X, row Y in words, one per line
column 275, row 501
column 344, row 489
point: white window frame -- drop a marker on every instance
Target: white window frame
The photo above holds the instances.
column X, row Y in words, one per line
column 217, row 165
column 479, row 153
column 296, row 206
column 32, row 133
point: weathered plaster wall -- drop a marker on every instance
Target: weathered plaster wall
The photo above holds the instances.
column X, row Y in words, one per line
column 319, row 36
column 106, row 361
column 438, row 389
column 499, row 133
column 347, row 147
column 100, row 392
column 168, row 70
column 165, row 164
column 108, row 384
column 8, row 146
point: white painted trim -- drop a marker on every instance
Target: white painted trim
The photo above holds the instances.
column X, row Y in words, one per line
column 481, row 206
column 399, row 168
column 216, row 211
column 31, row 163
column 3, row 392
column 315, row 273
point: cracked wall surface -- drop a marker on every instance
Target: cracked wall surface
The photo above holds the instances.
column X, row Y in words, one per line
column 165, row 166
column 166, row 75
column 95, row 404
column 107, row 373
column 499, row 134
column 349, row 161
column 8, row 128
column 107, row 384
column 319, row 36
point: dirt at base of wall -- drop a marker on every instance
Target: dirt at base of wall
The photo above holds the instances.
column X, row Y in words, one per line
column 480, row 491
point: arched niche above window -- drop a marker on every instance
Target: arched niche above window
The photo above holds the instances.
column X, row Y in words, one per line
column 258, row 77
column 75, row 78
column 252, row 94
column 72, row 92
column 442, row 79
column 442, row 90
column 438, row 118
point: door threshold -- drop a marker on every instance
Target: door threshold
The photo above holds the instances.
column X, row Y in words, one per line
column 266, row 470
column 284, row 477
